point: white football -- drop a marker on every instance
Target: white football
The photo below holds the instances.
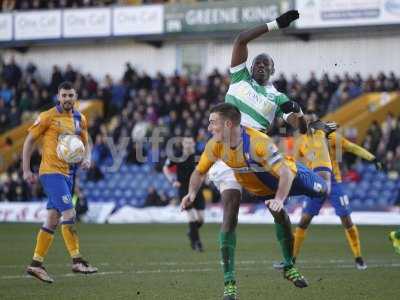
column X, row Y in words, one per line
column 70, row 149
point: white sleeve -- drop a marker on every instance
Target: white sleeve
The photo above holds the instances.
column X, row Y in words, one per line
column 286, row 116
column 237, row 68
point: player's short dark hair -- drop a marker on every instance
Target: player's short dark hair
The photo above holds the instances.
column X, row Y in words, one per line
column 66, row 85
column 228, row 111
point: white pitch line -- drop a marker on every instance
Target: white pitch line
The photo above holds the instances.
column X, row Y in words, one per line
column 211, row 262
column 200, row 270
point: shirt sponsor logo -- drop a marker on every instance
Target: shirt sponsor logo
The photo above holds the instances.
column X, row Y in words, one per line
column 66, row 199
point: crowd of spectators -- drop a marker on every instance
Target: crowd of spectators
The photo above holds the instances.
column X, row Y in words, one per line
column 23, row 92
column 9, row 5
column 383, row 140
column 136, row 104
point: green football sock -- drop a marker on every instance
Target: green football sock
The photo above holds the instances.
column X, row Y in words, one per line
column 397, row 234
column 227, row 244
column 285, row 237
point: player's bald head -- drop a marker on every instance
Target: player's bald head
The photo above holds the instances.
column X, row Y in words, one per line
column 262, row 68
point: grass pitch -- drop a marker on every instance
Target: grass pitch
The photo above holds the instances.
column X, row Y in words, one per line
column 155, row 262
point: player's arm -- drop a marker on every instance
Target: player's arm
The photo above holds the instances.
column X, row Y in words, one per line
column 286, row 178
column 273, row 160
column 34, row 132
column 29, row 146
column 357, row 150
column 360, row 152
column 88, row 148
column 196, row 180
column 240, row 52
column 207, row 159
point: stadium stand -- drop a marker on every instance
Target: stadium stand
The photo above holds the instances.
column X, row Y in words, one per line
column 137, row 103
column 23, row 92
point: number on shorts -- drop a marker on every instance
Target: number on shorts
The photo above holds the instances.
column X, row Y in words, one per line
column 317, row 187
column 344, row 200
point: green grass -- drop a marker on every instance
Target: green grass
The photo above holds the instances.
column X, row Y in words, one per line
column 155, row 262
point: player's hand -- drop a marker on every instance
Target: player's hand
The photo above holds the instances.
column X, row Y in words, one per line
column 29, row 177
column 176, row 184
column 275, row 204
column 85, row 164
column 187, row 201
column 287, row 18
column 327, row 127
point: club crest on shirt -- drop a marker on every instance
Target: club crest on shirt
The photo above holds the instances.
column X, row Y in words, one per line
column 66, row 199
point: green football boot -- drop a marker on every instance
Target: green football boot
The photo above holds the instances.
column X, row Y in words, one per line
column 230, row 291
column 293, row 275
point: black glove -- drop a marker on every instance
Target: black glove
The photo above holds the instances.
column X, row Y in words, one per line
column 379, row 165
column 287, row 18
column 290, row 107
column 328, row 127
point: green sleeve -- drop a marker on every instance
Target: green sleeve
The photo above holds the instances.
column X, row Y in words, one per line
column 279, row 100
column 239, row 73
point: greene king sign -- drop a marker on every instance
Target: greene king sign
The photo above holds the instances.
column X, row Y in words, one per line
column 221, row 16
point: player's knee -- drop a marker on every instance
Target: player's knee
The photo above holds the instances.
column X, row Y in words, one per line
column 346, row 222
column 229, row 222
column 230, row 196
column 52, row 220
column 228, row 227
column 50, row 225
column 200, row 220
column 305, row 221
column 69, row 217
column 280, row 217
column 303, row 224
column 69, row 214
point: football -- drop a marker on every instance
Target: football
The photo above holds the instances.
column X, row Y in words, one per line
column 70, row 149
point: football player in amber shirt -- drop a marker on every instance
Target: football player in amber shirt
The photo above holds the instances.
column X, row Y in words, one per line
column 260, row 168
column 56, row 178
column 309, row 150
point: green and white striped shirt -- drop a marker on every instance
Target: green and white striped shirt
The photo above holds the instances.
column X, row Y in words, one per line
column 258, row 104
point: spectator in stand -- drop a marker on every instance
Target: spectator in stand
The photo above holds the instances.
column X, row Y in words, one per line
column 56, row 79
column 3, row 116
column 12, row 73
column 155, row 199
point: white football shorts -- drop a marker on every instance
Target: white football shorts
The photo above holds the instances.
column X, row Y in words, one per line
column 223, row 177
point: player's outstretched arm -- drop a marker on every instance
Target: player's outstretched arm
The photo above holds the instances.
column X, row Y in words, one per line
column 27, row 150
column 196, row 180
column 286, row 178
column 363, row 153
column 240, row 52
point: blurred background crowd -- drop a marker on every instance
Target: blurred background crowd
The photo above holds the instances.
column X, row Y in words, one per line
column 137, row 103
